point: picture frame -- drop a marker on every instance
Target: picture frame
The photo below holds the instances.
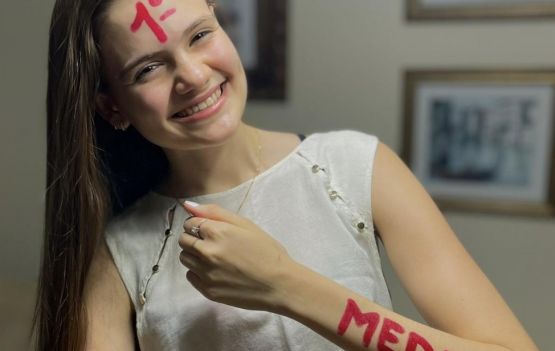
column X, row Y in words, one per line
column 483, row 140
column 418, row 10
column 258, row 28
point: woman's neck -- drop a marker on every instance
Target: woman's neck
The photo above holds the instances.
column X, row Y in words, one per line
column 214, row 169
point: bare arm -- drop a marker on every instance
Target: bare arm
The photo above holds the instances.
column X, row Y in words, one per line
column 445, row 283
column 238, row 264
column 109, row 309
column 464, row 310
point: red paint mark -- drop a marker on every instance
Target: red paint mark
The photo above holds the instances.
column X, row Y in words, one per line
column 167, row 14
column 389, row 332
column 144, row 16
column 386, row 334
column 155, row 3
column 352, row 311
column 416, row 340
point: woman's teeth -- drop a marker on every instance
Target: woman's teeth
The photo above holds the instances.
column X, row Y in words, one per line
column 212, row 99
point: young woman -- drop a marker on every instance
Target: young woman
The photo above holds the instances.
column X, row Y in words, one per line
column 182, row 228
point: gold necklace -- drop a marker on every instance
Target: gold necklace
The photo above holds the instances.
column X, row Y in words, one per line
column 258, row 170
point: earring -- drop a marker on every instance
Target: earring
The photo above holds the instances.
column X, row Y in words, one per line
column 122, row 126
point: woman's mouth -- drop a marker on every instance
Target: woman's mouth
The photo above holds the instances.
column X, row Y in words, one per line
column 203, row 105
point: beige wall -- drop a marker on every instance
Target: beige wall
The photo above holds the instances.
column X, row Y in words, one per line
column 23, row 43
column 346, row 59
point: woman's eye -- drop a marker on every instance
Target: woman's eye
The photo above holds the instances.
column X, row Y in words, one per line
column 142, row 73
column 199, row 36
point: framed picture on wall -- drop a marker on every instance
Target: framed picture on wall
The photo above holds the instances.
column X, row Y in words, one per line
column 483, row 140
column 475, row 9
column 258, row 29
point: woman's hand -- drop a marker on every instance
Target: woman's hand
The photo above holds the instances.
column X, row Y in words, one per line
column 234, row 261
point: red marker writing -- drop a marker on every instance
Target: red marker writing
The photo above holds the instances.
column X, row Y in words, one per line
column 388, row 334
column 143, row 16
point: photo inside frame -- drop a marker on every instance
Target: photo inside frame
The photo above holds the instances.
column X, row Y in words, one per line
column 490, row 142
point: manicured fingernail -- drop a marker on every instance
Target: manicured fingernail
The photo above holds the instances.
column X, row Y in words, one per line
column 191, row 203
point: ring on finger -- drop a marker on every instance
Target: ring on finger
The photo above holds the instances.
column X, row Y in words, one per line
column 195, row 230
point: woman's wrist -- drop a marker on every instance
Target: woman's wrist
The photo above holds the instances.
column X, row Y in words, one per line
column 299, row 289
column 288, row 287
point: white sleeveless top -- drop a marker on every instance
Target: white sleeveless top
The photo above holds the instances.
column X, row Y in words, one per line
column 316, row 202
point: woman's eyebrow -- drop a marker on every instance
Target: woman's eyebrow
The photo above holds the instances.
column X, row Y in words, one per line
column 129, row 66
column 136, row 62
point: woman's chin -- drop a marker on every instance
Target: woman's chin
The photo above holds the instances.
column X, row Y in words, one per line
column 222, row 130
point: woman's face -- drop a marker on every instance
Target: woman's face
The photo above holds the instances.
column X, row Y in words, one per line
column 172, row 72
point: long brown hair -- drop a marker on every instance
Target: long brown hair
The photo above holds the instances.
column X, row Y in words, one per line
column 77, row 200
column 91, row 172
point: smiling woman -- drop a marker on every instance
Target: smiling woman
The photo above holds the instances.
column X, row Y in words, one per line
column 173, row 225
column 159, row 79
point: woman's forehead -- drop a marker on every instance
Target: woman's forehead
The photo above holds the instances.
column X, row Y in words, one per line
column 132, row 15
column 132, row 25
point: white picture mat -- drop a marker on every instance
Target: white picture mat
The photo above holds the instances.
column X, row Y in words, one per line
column 536, row 189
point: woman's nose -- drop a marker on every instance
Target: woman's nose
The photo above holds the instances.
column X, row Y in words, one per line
column 191, row 74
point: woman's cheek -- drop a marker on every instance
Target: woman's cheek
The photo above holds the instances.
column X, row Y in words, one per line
column 224, row 55
column 153, row 98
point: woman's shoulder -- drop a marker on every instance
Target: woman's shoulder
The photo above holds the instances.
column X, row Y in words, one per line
column 337, row 145
column 345, row 136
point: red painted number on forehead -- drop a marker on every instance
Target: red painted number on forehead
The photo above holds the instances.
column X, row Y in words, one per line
column 144, row 16
column 167, row 14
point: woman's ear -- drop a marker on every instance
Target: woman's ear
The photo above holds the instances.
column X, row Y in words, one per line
column 108, row 110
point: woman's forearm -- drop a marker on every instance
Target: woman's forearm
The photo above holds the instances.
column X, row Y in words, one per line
column 355, row 323
column 236, row 253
